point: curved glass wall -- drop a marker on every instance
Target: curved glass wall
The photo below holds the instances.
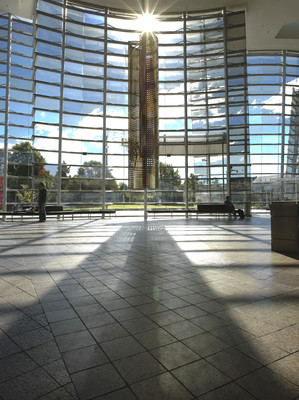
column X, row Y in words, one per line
column 273, row 101
column 64, row 109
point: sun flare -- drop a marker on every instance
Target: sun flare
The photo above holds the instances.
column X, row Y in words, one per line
column 148, row 22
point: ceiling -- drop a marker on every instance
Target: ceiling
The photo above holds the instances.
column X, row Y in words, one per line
column 270, row 24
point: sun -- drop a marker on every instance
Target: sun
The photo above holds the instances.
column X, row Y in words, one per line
column 148, row 22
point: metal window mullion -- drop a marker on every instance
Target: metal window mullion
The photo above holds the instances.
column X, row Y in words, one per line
column 208, row 118
column 104, row 157
column 186, row 111
column 283, row 111
column 228, row 166
column 8, row 67
column 247, row 145
column 59, row 169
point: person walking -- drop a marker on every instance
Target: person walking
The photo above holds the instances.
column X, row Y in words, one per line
column 42, row 198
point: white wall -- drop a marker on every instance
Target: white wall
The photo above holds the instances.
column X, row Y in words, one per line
column 265, row 18
column 20, row 8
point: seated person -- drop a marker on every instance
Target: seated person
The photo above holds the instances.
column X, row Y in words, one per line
column 231, row 208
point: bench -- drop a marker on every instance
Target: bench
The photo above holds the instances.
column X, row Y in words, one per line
column 17, row 214
column 211, row 208
column 51, row 207
column 89, row 213
column 217, row 208
column 172, row 211
column 60, row 212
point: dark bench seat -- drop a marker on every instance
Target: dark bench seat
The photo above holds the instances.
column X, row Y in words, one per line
column 89, row 213
column 58, row 213
column 172, row 211
column 218, row 208
column 213, row 208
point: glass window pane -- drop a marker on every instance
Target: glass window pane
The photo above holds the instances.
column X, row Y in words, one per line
column 49, row 22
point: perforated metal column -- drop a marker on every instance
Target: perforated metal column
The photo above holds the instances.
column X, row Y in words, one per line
column 143, row 113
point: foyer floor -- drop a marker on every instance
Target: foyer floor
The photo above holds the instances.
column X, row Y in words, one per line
column 164, row 309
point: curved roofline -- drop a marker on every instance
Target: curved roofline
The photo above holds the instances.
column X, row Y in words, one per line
column 264, row 19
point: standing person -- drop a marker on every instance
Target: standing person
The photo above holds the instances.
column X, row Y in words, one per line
column 42, row 198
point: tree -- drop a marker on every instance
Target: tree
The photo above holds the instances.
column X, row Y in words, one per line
column 90, row 169
column 65, row 169
column 169, row 177
column 92, row 173
column 25, row 196
column 26, row 168
column 192, row 183
column 25, row 161
column 170, row 180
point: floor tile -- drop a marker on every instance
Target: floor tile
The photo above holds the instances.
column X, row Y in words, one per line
column 233, row 363
column 190, row 312
column 174, row 355
column 95, row 320
column 33, row 338
column 61, row 315
column 268, row 385
column 157, row 309
column 183, row 330
column 154, row 338
column 60, row 394
column 262, row 351
column 75, row 340
column 8, row 347
column 209, row 322
column 97, row 381
column 122, row 347
column 205, row 344
column 227, row 392
column 123, row 394
column 69, row 326
column 161, row 387
column 84, row 358
column 232, row 334
column 166, row 318
column 139, row 325
column 57, row 370
column 287, row 339
column 125, row 314
column 288, row 367
column 108, row 332
column 44, row 353
column 138, row 367
column 15, row 365
column 200, row 377
column 31, row 385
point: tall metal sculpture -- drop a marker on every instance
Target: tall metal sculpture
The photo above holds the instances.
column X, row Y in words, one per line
column 143, row 113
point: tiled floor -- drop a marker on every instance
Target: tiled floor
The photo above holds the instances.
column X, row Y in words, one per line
column 168, row 309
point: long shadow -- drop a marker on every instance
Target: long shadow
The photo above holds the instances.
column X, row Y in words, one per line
column 135, row 317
